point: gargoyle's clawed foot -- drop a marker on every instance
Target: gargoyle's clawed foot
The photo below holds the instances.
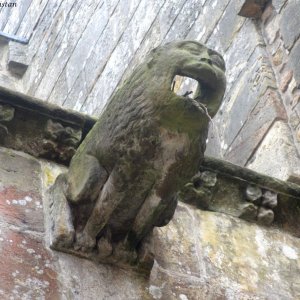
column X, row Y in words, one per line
column 84, row 242
column 62, row 237
column 124, row 254
column 105, row 248
column 146, row 255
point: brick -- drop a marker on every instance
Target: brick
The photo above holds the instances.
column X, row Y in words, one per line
column 245, row 95
column 102, row 50
column 69, row 41
column 31, row 17
column 184, row 20
column 206, row 21
column 294, row 119
column 227, row 28
column 277, row 57
column 16, row 17
column 4, row 15
column 44, row 43
column 121, row 56
column 77, row 59
column 239, row 57
column 277, row 156
column 271, row 29
column 258, row 123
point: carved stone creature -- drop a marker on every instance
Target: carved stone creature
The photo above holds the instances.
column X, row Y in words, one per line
column 146, row 145
column 60, row 142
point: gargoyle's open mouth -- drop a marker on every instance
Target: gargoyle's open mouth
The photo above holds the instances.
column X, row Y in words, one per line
column 202, row 82
column 191, row 88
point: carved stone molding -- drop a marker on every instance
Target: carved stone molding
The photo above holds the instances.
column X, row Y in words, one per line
column 39, row 128
column 246, row 194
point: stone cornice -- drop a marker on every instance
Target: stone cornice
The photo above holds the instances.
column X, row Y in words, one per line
column 40, row 128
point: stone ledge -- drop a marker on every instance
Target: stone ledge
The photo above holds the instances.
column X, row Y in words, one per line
column 223, row 187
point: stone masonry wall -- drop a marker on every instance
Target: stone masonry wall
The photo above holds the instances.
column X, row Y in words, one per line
column 198, row 255
column 79, row 52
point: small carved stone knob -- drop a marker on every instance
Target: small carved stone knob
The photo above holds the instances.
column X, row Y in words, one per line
column 269, row 199
column 248, row 212
column 265, row 216
column 253, row 194
column 6, row 113
column 208, row 178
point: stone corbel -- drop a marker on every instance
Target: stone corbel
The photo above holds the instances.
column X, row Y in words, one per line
column 18, row 60
column 253, row 8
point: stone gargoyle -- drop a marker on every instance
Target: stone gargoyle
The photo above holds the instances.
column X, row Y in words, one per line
column 148, row 142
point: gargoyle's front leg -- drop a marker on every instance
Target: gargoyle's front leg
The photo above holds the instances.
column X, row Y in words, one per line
column 86, row 178
column 83, row 182
column 106, row 203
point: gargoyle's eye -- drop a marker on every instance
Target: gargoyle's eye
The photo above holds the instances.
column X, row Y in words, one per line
column 218, row 61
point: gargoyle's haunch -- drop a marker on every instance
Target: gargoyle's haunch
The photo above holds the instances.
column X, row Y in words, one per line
column 147, row 143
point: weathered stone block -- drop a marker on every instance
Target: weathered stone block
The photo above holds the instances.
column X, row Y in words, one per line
column 294, row 61
column 289, row 25
column 276, row 147
column 259, row 121
column 20, row 192
column 244, row 97
column 278, row 4
column 235, row 259
column 206, row 21
column 184, row 20
column 228, row 26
